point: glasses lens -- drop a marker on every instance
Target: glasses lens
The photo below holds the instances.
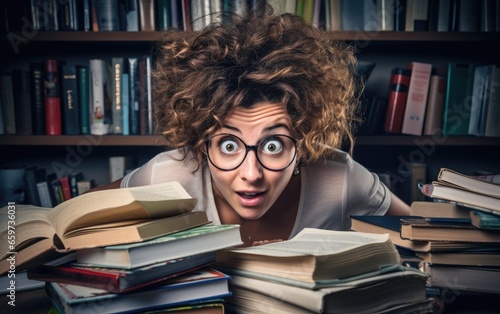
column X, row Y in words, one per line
column 227, row 152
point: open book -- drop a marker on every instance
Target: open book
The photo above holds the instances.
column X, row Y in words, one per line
column 95, row 219
column 314, row 256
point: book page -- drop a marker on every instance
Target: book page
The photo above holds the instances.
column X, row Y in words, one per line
column 106, row 206
column 317, row 242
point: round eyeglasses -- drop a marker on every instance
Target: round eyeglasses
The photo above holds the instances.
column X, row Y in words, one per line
column 227, row 152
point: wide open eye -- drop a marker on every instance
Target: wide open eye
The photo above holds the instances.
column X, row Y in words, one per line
column 272, row 145
column 229, row 145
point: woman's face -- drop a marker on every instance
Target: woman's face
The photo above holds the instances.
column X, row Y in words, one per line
column 250, row 189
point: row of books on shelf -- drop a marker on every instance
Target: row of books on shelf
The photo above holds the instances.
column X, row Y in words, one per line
column 425, row 99
column 330, row 15
column 104, row 96
column 49, row 187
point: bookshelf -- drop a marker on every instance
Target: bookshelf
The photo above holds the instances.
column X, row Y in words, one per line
column 386, row 49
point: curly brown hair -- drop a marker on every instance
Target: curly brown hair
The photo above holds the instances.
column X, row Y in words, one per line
column 261, row 57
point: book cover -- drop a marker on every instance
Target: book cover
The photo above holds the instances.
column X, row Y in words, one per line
column 484, row 220
column 433, row 121
column 197, row 286
column 70, row 100
column 163, row 14
column 416, row 102
column 68, row 15
column 83, row 80
column 118, row 280
column 7, row 102
column 444, row 11
column 492, row 127
column 74, row 178
column 197, row 240
column 117, row 67
column 22, row 101
column 53, row 115
column 421, row 229
column 107, row 15
column 480, row 98
column 456, row 112
column 147, row 15
column 396, row 100
column 37, row 97
column 118, row 165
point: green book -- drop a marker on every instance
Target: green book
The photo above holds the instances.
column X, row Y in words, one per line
column 457, row 107
column 484, row 220
column 84, row 90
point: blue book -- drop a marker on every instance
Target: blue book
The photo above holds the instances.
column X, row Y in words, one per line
column 126, row 104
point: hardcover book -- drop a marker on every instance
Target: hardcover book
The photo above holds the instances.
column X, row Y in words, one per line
column 70, row 100
column 53, row 115
column 22, row 100
column 433, row 122
column 416, row 102
column 118, row 280
column 492, row 127
column 83, row 79
column 197, row 240
column 104, row 218
column 480, row 98
column 37, row 97
column 396, row 103
column 197, row 286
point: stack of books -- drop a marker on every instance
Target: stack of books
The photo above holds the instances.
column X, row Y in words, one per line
column 131, row 249
column 454, row 238
column 323, row 271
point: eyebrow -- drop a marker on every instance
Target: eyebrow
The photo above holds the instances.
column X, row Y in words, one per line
column 267, row 129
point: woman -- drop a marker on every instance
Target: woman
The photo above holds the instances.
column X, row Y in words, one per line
column 255, row 113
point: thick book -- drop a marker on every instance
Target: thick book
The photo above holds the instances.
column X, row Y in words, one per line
column 396, row 100
column 147, row 15
column 470, row 183
column 70, row 100
column 484, row 220
column 107, row 15
column 37, row 97
column 194, row 287
column 492, row 128
column 196, row 240
column 374, row 294
column 22, row 101
column 315, row 255
column 53, row 115
column 480, row 98
column 416, row 102
column 460, row 278
column 105, row 217
column 421, row 229
column 433, row 122
column 439, row 210
column 472, row 257
column 391, row 225
column 456, row 111
column 84, row 98
column 118, row 280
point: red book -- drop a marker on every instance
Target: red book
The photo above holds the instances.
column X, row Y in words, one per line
column 53, row 121
column 66, row 188
column 396, row 103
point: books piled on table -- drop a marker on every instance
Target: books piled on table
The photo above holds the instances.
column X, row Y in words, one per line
column 141, row 248
column 323, row 271
column 454, row 240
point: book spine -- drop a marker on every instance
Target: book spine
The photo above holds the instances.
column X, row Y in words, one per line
column 143, row 120
column 400, row 81
column 444, row 11
column 30, row 187
column 65, row 187
column 37, row 98
column 147, row 15
column 53, row 117
column 84, row 98
column 97, row 73
column 492, row 127
column 117, row 68
column 70, row 100
column 416, row 101
column 125, row 103
column 7, row 101
column 435, row 102
column 134, row 95
column 22, row 101
column 107, row 15
column 163, row 14
column 45, row 194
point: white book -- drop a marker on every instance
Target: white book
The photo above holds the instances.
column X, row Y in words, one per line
column 97, row 88
column 118, row 165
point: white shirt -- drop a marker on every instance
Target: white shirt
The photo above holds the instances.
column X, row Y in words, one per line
column 331, row 190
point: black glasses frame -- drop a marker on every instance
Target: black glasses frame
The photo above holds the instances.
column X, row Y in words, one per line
column 248, row 148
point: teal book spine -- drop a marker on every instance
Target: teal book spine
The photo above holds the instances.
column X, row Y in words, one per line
column 84, row 90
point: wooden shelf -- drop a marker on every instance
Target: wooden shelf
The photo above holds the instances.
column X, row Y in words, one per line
column 152, row 140
column 62, row 36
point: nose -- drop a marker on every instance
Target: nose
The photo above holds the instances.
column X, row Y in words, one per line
column 251, row 169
